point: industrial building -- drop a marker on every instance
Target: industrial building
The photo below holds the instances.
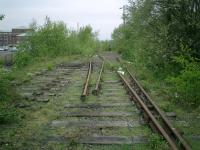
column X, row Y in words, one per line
column 13, row 37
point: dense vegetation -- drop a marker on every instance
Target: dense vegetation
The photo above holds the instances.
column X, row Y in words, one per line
column 54, row 39
column 163, row 37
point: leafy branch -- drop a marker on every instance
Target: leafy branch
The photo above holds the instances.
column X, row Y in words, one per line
column 1, row 17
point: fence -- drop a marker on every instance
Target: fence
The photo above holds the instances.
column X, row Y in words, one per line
column 7, row 58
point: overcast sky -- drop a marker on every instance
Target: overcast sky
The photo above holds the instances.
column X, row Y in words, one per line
column 102, row 15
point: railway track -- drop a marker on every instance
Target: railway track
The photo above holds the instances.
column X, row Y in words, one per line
column 86, row 84
column 91, row 107
column 98, row 83
column 151, row 112
column 103, row 117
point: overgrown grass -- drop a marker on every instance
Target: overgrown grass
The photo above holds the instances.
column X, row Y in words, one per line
column 7, row 96
column 43, row 48
column 8, row 114
column 157, row 143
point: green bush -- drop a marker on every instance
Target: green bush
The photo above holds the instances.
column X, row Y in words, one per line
column 186, row 85
column 22, row 58
column 50, row 67
column 54, row 39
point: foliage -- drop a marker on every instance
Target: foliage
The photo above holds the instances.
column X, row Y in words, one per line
column 118, row 42
column 1, row 17
column 187, row 83
column 7, row 95
column 22, row 58
column 154, row 34
column 6, row 90
column 50, row 67
column 105, row 45
column 53, row 39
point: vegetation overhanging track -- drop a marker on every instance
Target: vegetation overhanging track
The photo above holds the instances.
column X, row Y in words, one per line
column 98, row 85
column 86, row 84
column 151, row 118
column 167, row 125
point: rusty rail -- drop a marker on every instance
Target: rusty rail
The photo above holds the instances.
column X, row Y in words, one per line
column 86, row 84
column 174, row 134
column 151, row 118
column 98, row 85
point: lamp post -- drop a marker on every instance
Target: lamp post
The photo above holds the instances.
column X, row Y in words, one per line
column 123, row 15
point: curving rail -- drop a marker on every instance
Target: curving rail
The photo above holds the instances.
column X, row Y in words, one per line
column 152, row 113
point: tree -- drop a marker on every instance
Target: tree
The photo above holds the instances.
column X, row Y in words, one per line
column 157, row 33
column 1, row 17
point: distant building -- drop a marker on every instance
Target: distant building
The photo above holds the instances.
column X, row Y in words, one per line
column 12, row 38
column 15, row 30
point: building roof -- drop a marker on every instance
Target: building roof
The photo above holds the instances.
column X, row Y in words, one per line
column 22, row 35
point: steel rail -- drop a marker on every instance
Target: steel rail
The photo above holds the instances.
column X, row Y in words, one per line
column 168, row 126
column 149, row 114
column 86, row 84
column 98, row 85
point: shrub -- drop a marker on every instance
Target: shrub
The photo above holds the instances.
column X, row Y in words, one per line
column 22, row 58
column 186, row 85
column 53, row 39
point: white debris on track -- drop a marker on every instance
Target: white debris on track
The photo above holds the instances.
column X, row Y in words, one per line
column 120, row 70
